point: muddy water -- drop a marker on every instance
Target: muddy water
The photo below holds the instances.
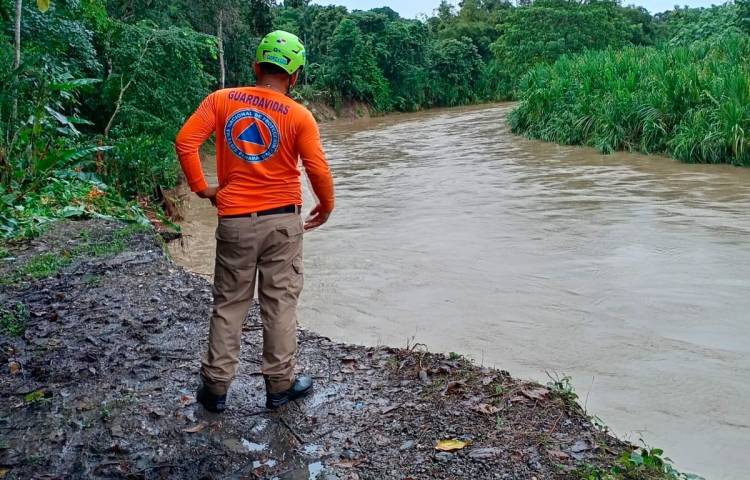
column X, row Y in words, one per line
column 630, row 273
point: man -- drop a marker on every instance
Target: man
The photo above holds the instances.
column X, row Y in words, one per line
column 260, row 136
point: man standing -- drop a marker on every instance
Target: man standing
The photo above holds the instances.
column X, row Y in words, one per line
column 260, row 136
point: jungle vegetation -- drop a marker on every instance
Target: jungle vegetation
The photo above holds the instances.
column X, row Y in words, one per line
column 92, row 92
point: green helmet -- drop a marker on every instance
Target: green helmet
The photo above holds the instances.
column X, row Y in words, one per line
column 282, row 49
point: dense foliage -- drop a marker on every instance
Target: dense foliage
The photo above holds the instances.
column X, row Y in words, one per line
column 689, row 98
column 93, row 93
column 89, row 113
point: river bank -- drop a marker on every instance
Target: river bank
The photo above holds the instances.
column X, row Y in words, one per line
column 99, row 383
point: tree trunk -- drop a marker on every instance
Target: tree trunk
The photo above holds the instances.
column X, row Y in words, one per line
column 220, row 37
column 16, row 58
column 17, row 31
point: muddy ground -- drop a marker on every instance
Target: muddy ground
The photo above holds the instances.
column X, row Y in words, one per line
column 100, row 343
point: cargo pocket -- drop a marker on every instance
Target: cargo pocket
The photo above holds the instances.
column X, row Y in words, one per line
column 298, row 274
column 293, row 231
column 226, row 232
column 298, row 265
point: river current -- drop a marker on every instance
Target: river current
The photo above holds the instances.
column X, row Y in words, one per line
column 630, row 273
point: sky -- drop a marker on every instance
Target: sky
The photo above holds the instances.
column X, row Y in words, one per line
column 413, row 8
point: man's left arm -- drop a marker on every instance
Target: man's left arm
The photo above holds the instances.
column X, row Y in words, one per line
column 314, row 160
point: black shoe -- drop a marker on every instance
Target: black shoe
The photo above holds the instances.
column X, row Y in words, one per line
column 210, row 401
column 301, row 388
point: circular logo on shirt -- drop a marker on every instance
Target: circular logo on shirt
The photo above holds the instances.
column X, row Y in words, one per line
column 252, row 135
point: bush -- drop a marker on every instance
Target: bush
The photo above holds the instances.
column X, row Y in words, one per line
column 139, row 166
column 690, row 102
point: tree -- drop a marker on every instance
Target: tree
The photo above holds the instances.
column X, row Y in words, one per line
column 352, row 70
column 457, row 70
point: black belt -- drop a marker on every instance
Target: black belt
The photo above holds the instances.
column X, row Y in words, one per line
column 273, row 211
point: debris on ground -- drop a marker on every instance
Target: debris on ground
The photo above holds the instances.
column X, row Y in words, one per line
column 100, row 346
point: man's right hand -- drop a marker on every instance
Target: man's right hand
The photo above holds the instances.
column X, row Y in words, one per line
column 209, row 193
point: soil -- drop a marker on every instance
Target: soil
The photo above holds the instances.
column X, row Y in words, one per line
column 101, row 384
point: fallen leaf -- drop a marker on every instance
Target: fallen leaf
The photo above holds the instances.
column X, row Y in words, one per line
column 157, row 412
column 482, row 453
column 186, row 400
column 381, row 440
column 485, row 409
column 558, row 454
column 454, row 388
column 389, row 409
column 15, row 368
column 347, row 463
column 487, row 380
column 581, row 446
column 535, row 393
column 451, row 445
column 116, row 430
column 4, row 472
column 195, row 428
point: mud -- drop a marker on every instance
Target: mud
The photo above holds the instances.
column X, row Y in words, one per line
column 101, row 385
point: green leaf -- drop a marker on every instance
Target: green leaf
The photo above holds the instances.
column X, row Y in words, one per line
column 72, row 211
column 71, row 85
column 636, row 458
column 42, row 5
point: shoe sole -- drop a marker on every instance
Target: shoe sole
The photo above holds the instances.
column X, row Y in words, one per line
column 271, row 405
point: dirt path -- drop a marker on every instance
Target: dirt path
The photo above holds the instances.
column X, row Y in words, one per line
column 100, row 344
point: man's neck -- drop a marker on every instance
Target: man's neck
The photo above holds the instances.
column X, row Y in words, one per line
column 274, row 84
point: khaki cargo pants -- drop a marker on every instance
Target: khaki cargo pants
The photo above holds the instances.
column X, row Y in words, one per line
column 269, row 248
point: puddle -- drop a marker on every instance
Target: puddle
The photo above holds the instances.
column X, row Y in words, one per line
column 254, row 447
column 314, row 470
column 311, row 449
column 268, row 464
column 320, row 397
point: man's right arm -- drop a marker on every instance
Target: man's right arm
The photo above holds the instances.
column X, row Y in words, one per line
column 193, row 134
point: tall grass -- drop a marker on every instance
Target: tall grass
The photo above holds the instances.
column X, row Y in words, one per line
column 691, row 102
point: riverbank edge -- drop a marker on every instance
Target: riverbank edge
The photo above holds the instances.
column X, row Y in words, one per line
column 92, row 309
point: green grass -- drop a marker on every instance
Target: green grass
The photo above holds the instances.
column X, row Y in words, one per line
column 45, row 265
column 13, row 320
column 49, row 264
column 692, row 103
column 641, row 464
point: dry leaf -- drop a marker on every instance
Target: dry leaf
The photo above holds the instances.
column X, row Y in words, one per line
column 186, row 400
column 381, row 440
column 389, row 409
column 4, row 472
column 195, row 428
column 454, row 387
column 485, row 409
column 485, row 453
column 535, row 393
column 451, row 445
column 558, row 454
column 347, row 463
column 15, row 368
column 487, row 380
column 581, row 446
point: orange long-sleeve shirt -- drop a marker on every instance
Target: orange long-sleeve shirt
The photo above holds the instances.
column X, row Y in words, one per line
column 260, row 136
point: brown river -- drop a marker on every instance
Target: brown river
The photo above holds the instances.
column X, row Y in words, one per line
column 630, row 273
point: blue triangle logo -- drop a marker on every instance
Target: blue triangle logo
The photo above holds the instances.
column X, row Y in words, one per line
column 252, row 135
